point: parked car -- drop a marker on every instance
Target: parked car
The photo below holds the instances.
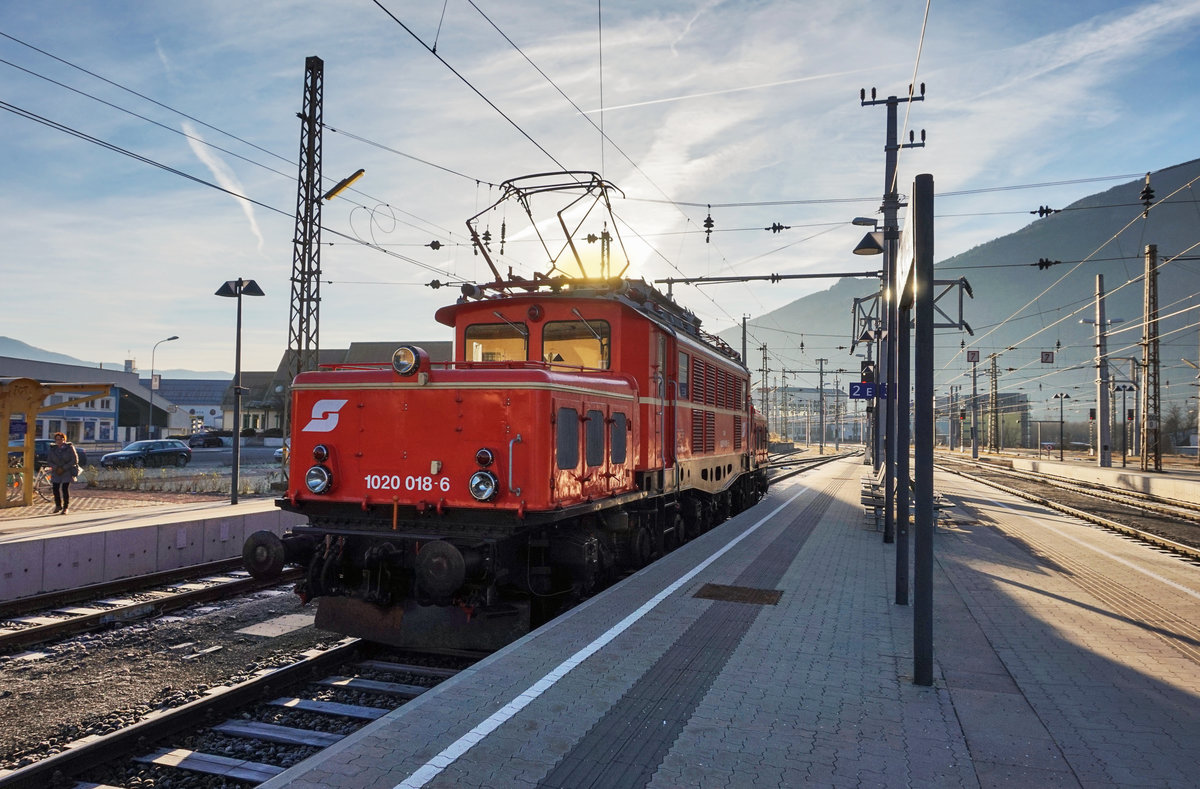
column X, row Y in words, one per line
column 205, row 440
column 282, row 453
column 163, row 452
column 40, row 447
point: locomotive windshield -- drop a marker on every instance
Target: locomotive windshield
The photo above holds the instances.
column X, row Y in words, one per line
column 577, row 343
column 497, row 342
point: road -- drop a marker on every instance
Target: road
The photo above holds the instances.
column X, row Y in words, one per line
column 217, row 457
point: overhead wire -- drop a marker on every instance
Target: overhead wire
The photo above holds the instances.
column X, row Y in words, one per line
column 28, row 115
column 198, row 121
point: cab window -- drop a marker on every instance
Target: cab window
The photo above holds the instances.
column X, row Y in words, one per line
column 582, row 343
column 496, row 342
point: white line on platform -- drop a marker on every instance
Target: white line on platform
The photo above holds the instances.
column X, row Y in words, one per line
column 1104, row 553
column 431, row 768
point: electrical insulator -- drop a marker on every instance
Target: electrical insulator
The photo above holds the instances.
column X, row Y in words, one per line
column 708, row 227
column 435, row 245
column 1147, row 195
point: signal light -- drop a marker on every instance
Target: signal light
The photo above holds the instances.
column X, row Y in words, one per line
column 1129, row 415
column 867, row 372
column 1092, row 414
column 962, row 414
column 484, row 457
column 320, row 453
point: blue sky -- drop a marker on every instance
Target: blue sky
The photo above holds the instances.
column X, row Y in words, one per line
column 705, row 103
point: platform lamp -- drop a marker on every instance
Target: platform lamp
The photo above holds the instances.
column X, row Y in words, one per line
column 1061, row 397
column 236, row 288
column 150, row 433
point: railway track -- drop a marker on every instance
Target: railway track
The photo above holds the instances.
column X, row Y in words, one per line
column 782, row 468
column 46, row 618
column 1170, row 525
column 326, row 695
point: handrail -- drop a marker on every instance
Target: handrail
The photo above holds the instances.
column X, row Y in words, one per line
column 515, row 440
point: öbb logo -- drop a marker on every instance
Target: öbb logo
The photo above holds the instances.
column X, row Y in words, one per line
column 324, row 416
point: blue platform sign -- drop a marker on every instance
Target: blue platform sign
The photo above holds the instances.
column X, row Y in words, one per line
column 867, row 390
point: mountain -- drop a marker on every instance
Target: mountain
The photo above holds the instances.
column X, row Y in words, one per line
column 1020, row 310
column 19, row 350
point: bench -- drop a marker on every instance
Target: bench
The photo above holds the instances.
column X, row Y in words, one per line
column 873, row 496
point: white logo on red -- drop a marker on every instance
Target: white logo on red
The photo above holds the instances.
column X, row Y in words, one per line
column 324, row 416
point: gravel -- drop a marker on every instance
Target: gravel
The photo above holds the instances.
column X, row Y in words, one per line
column 98, row 683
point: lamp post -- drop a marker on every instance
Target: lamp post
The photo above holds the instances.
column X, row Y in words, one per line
column 235, row 288
column 150, row 432
column 1061, row 397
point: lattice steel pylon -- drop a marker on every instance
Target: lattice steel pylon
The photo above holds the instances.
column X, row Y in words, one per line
column 303, row 327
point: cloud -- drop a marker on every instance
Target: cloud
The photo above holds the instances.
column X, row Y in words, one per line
column 224, row 177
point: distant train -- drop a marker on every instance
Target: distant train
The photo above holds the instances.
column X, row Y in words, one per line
column 584, row 427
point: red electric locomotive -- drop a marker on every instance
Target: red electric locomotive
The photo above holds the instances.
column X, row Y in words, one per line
column 583, row 427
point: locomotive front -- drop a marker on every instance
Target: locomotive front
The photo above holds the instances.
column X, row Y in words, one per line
column 422, row 485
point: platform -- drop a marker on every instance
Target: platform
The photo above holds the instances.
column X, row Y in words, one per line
column 769, row 653
column 43, row 552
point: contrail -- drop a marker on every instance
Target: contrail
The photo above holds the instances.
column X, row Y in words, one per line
column 224, row 176
column 734, row 90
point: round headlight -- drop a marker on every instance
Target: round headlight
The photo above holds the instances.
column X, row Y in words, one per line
column 406, row 359
column 320, row 453
column 484, row 457
column 483, row 485
column 318, row 479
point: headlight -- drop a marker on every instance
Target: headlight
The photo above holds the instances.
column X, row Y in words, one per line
column 320, row 453
column 483, row 485
column 318, row 479
column 484, row 457
column 407, row 359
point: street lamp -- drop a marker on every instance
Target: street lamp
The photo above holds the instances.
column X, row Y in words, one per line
column 150, row 432
column 235, row 288
column 1061, row 397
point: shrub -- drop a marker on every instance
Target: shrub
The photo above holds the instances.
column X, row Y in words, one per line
column 249, row 432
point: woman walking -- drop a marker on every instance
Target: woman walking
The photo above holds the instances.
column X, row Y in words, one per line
column 64, row 468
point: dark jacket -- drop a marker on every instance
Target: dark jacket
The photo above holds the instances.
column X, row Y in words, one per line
column 63, row 462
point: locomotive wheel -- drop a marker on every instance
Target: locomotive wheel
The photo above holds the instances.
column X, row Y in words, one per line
column 640, row 548
column 673, row 537
column 263, row 555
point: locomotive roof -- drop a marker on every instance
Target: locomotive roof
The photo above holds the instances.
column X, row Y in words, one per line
column 636, row 294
